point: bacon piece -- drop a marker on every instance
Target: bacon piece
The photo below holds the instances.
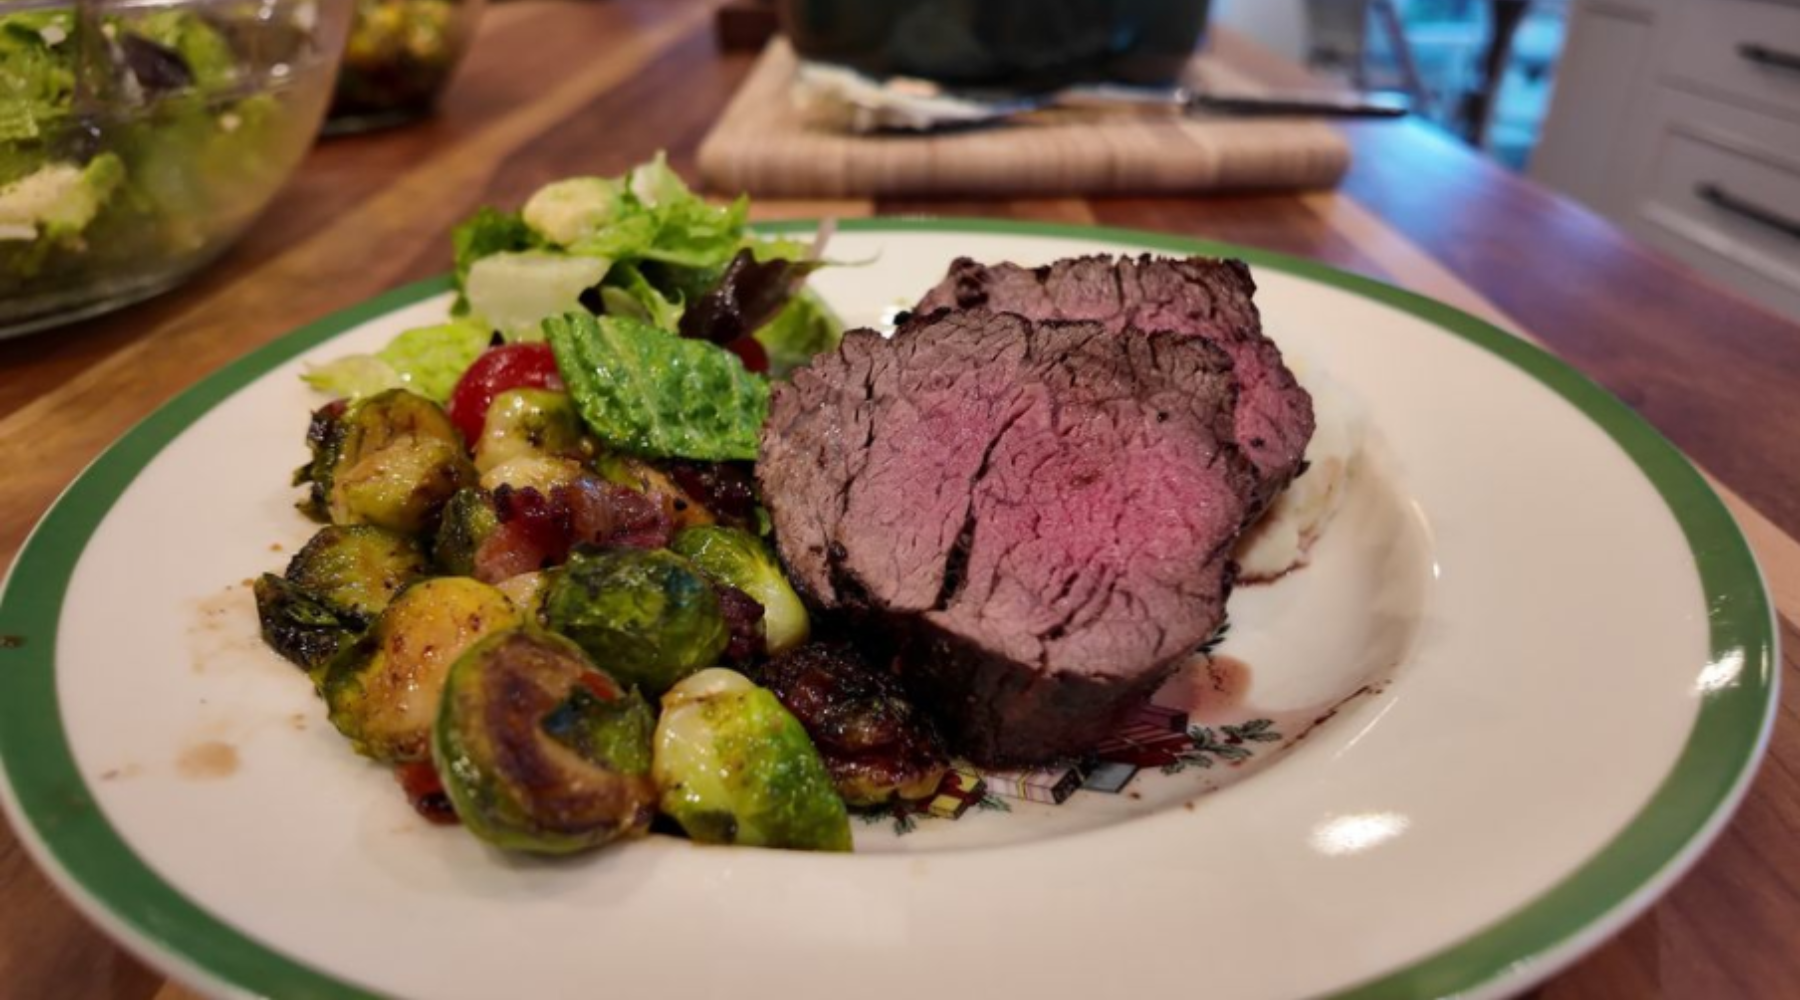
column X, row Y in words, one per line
column 727, row 489
column 537, row 531
column 603, row 513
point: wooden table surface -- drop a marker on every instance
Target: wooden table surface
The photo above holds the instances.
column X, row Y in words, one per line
column 560, row 88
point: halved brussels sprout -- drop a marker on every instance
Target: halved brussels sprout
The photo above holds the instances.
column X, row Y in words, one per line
column 739, row 559
column 383, row 689
column 467, row 521
column 299, row 626
column 391, row 460
column 526, row 592
column 539, row 472
column 733, row 767
column 335, row 586
column 647, row 616
column 358, row 567
column 536, row 422
column 540, row 750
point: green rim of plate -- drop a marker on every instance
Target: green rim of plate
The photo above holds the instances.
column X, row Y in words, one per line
column 55, row 813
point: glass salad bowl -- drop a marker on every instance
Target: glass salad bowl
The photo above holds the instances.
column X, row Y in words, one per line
column 139, row 138
column 400, row 56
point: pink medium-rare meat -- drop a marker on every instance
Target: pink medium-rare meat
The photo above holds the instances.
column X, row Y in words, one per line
column 1037, row 515
column 1200, row 297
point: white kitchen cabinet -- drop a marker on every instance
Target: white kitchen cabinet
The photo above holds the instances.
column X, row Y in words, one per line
column 1680, row 120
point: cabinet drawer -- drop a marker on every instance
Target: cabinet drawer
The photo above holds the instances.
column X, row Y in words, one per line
column 1746, row 50
column 1727, row 200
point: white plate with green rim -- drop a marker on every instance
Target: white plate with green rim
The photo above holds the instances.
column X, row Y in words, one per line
column 1567, row 648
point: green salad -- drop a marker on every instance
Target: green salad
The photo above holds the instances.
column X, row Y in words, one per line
column 543, row 589
column 133, row 143
column 663, row 312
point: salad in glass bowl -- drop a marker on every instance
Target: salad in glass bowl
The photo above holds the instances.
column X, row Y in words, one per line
column 139, row 138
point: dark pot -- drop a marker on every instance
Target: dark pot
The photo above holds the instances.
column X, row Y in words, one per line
column 1023, row 44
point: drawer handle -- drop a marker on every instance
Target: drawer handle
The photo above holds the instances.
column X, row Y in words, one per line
column 1765, row 56
column 1717, row 196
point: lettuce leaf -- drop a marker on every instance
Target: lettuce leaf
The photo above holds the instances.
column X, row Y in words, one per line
column 489, row 231
column 352, row 376
column 631, row 230
column 37, row 78
column 749, row 294
column 656, row 217
column 651, row 393
column 516, row 292
column 628, row 293
column 202, row 48
column 428, row 360
column 806, row 326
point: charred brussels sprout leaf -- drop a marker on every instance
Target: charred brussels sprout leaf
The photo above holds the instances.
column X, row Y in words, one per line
column 739, row 559
column 357, row 568
column 335, row 586
column 646, row 616
column 468, row 520
column 540, row 750
column 733, row 767
column 299, row 626
column 383, row 689
column 390, row 460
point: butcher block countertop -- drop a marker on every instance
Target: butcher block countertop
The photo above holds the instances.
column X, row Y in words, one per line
column 561, row 88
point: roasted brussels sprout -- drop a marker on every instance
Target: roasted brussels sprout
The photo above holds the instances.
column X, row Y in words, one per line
column 648, row 617
column 383, row 689
column 526, row 592
column 540, row 750
column 876, row 745
column 392, row 459
column 335, row 586
column 538, row 472
column 739, row 559
column 733, row 767
column 299, row 626
column 358, row 567
column 468, row 520
column 534, row 422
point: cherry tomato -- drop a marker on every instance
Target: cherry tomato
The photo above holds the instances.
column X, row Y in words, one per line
column 419, row 780
column 509, row 366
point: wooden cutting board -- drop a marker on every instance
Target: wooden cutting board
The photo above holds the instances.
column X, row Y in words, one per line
column 761, row 146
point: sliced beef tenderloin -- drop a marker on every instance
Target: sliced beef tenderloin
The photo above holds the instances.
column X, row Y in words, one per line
column 1197, row 296
column 1038, row 514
